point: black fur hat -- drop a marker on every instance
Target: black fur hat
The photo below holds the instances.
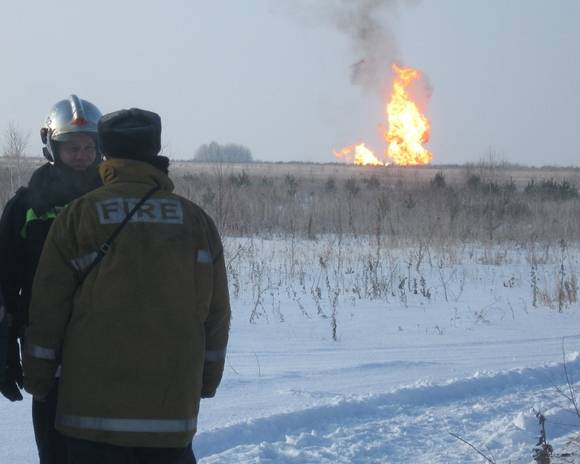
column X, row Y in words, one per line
column 132, row 134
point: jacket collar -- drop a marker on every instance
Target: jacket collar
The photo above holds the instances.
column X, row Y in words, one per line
column 52, row 186
column 119, row 170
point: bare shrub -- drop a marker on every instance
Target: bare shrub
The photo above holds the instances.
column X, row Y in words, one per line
column 14, row 145
column 14, row 142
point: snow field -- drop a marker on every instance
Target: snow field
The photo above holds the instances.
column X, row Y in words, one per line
column 469, row 354
column 429, row 340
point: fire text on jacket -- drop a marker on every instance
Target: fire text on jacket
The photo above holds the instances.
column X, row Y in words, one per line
column 160, row 210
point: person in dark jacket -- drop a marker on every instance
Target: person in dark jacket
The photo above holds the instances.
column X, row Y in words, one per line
column 136, row 307
column 69, row 136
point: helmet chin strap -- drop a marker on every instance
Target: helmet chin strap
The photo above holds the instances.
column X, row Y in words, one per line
column 47, row 155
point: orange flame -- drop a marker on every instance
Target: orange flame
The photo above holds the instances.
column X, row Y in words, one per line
column 359, row 154
column 408, row 127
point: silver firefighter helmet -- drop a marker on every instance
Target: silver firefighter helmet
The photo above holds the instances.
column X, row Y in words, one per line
column 67, row 117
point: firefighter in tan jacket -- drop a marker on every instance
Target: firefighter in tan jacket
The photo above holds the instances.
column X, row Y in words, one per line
column 141, row 336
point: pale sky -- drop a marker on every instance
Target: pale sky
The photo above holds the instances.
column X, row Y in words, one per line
column 274, row 75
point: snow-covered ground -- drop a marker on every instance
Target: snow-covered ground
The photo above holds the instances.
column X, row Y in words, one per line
column 430, row 341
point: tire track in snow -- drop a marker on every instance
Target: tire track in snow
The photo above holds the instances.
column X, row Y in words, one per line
column 370, row 408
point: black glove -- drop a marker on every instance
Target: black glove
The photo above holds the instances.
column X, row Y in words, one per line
column 212, row 375
column 12, row 384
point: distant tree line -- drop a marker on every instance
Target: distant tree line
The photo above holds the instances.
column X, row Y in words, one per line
column 230, row 153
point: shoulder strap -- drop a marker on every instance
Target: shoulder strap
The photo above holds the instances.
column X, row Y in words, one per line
column 106, row 246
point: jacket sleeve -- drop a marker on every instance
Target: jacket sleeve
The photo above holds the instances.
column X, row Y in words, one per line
column 12, row 254
column 11, row 282
column 217, row 324
column 54, row 285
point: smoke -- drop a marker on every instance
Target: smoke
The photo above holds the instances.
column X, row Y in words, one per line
column 366, row 24
column 372, row 40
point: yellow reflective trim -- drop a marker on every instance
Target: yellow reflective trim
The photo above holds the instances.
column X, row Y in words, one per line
column 32, row 216
column 110, row 424
column 83, row 262
column 215, row 355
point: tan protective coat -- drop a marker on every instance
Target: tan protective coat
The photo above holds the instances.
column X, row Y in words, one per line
column 144, row 336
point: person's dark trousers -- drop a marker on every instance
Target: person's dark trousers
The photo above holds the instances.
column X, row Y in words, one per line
column 51, row 444
column 91, row 452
